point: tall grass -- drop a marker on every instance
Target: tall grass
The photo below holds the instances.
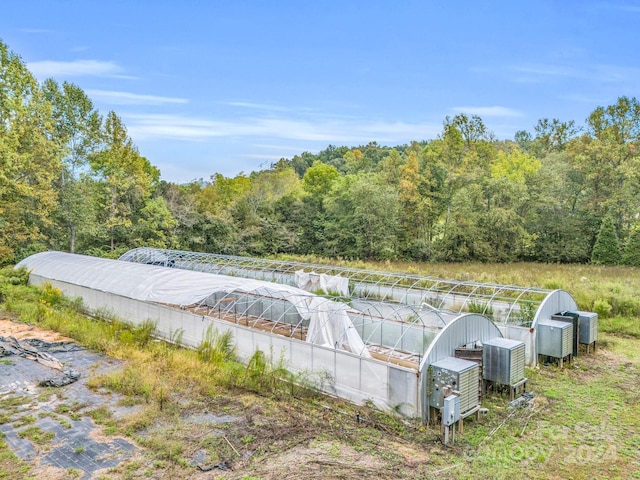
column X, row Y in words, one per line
column 609, row 291
column 217, row 347
column 155, row 371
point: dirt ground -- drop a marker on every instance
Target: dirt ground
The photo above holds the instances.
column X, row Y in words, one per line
column 230, row 437
column 9, row 328
column 234, row 434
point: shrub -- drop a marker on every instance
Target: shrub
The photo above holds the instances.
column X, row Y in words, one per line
column 602, row 307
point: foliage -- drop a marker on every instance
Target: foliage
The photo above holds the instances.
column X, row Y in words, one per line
column 72, row 179
column 29, row 160
column 631, row 253
column 217, row 347
column 582, row 423
column 607, row 247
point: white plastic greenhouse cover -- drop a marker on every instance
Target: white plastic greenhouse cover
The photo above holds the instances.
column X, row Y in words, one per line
column 329, row 324
column 313, row 282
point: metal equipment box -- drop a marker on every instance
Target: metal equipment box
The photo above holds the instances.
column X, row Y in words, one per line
column 461, row 375
column 555, row 338
column 588, row 327
column 451, row 410
column 503, row 361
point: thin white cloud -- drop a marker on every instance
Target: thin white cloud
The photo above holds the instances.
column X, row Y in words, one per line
column 76, row 68
column 146, row 127
column 495, row 111
column 127, row 98
column 279, row 148
column 591, row 72
column 547, row 70
column 261, row 156
column 257, row 106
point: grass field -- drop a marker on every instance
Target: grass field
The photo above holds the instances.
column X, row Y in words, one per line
column 582, row 424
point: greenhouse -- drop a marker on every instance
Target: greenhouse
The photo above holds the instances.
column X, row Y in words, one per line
column 363, row 350
column 516, row 310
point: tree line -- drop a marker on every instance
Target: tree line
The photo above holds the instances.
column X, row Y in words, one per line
column 72, row 179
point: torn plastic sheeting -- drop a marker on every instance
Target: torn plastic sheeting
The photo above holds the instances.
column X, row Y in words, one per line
column 312, row 282
column 331, row 326
column 69, row 376
column 27, row 349
column 178, row 287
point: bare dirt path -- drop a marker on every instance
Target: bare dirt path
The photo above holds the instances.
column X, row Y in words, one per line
column 10, row 328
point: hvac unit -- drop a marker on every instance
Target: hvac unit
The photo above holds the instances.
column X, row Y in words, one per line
column 572, row 318
column 588, row 327
column 460, row 376
column 555, row 338
column 503, row 361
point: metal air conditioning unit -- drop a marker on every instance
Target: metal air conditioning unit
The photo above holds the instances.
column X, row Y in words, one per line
column 503, row 361
column 555, row 338
column 588, row 327
column 458, row 374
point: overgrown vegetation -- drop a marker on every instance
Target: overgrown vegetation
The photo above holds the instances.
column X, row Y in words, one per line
column 582, row 423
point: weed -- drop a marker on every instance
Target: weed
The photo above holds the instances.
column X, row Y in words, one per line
column 24, row 421
column 37, row 435
column 62, row 408
column 480, row 307
column 216, row 347
column 100, row 415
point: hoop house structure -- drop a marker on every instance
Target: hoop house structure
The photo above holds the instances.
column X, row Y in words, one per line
column 516, row 310
column 361, row 350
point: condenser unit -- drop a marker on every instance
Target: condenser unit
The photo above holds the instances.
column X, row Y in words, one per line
column 555, row 338
column 588, row 327
column 503, row 361
column 461, row 376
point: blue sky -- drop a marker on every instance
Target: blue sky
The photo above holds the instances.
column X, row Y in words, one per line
column 230, row 86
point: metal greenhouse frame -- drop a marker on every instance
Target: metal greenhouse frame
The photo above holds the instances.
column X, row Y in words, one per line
column 358, row 349
column 508, row 304
column 515, row 309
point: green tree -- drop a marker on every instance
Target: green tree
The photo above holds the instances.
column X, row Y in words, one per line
column 554, row 211
column 362, row 218
column 554, row 135
column 391, row 166
column 29, row 161
column 606, row 250
column 631, row 253
column 317, row 182
column 609, row 159
column 127, row 180
column 262, row 229
column 465, row 238
column 154, row 226
column 77, row 131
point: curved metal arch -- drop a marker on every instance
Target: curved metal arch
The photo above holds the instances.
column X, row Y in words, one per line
column 492, row 298
column 365, row 283
column 517, row 302
column 381, row 320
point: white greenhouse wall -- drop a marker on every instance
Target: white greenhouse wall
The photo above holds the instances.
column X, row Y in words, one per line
column 524, row 335
column 336, row 372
